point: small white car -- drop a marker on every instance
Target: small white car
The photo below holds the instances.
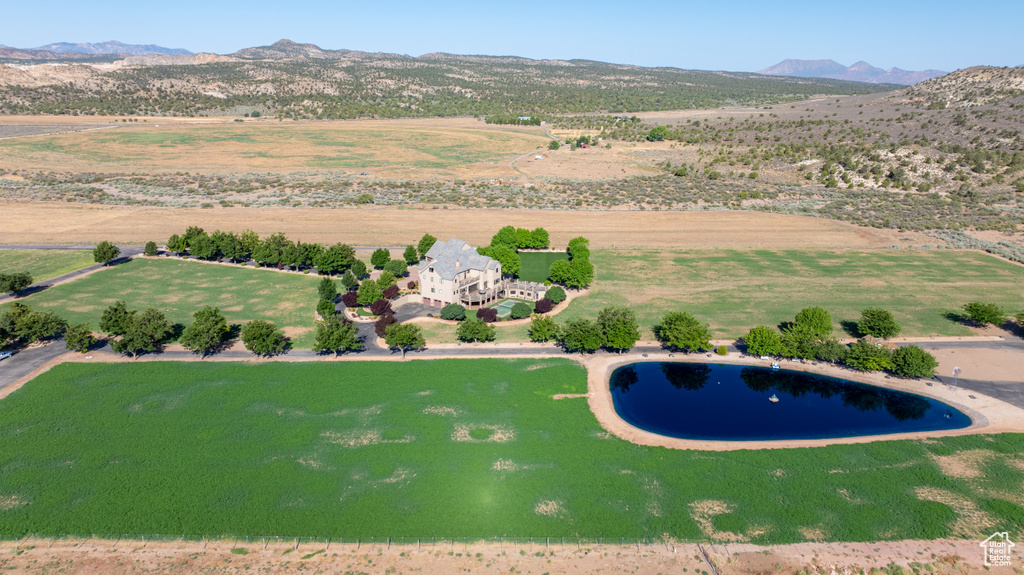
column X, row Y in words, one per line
column 5, row 354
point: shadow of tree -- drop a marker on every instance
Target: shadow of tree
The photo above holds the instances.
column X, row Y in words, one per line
column 850, row 327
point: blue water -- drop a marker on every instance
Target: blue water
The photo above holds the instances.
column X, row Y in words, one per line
column 730, row 402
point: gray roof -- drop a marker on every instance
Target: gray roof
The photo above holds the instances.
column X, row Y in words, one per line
column 454, row 257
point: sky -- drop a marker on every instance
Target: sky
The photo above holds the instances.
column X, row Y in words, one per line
column 707, row 35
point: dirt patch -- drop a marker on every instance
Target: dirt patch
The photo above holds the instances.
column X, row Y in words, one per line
column 295, row 331
column 550, row 508
column 357, row 439
column 568, row 395
column 703, row 511
column 499, row 434
column 8, row 502
column 971, row 522
column 965, row 464
column 440, row 410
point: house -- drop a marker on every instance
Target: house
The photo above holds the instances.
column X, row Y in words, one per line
column 453, row 272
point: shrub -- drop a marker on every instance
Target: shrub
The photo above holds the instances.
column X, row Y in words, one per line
column 543, row 305
column 721, row 350
column 386, row 279
column 556, row 294
column 411, row 285
column 520, row 310
column 487, row 314
column 380, row 307
column 912, row 361
column 325, row 308
column 262, row 338
column 453, row 311
column 877, row 322
column 151, row 249
column 79, row 338
column 381, row 327
column 350, row 299
column 391, row 292
column 984, row 313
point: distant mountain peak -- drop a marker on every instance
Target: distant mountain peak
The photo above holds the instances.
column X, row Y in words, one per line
column 111, row 47
column 860, row 71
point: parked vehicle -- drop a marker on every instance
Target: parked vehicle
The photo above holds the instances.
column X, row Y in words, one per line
column 5, row 354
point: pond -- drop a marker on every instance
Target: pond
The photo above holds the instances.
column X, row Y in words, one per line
column 735, row 403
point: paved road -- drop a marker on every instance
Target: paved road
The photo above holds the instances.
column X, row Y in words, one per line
column 25, row 361
column 127, row 253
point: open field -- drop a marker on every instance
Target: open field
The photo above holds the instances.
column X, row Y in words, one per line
column 734, row 290
column 393, row 148
column 180, row 288
column 535, row 266
column 44, row 264
column 474, row 448
column 61, row 223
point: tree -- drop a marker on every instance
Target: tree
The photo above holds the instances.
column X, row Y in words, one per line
column 426, row 242
column 404, row 336
column 543, row 328
column 380, row 327
column 453, row 311
column 520, row 310
column 866, row 355
column 398, row 268
column 487, row 314
column 369, row 292
column 539, row 239
column 763, row 340
column 391, row 292
column 350, row 299
column 336, row 335
column 349, row 280
column 116, row 319
column 151, row 249
column 554, row 145
column 203, row 247
column 380, row 307
column 799, row 341
column 657, row 134
column 29, row 325
column 79, row 338
column 581, row 273
column 524, row 239
column 409, row 255
column 249, row 240
column 582, row 335
column 817, row 319
column 680, row 330
column 270, row 251
column 474, row 330
column 985, row 313
column 578, row 247
column 618, row 327
column 325, row 308
column 506, row 236
column 177, row 244
column 191, row 234
column 543, row 305
column 105, row 252
column 386, row 279
column 335, row 259
column 327, row 289
column 262, row 338
column 877, row 322
column 555, row 294
column 145, row 332
column 14, row 282
column 913, row 361
column 380, row 257
column 358, row 268
column 206, row 332
column 507, row 257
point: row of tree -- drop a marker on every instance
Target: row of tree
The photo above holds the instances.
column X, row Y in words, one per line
column 577, row 272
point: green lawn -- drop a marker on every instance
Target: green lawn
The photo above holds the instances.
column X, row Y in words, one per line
column 180, row 288
column 44, row 264
column 535, row 266
column 473, row 448
column 734, row 290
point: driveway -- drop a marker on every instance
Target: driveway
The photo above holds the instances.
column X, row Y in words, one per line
column 25, row 361
column 127, row 253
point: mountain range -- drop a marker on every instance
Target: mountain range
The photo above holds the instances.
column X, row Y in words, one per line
column 111, row 47
column 858, row 72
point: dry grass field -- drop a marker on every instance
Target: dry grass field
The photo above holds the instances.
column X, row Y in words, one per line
column 62, row 223
column 409, row 149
